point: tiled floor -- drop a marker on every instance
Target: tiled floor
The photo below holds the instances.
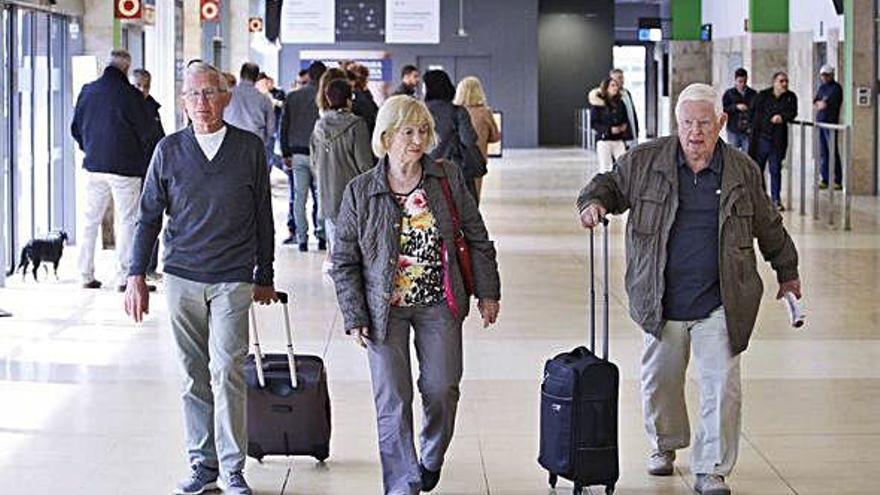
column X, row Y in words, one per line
column 89, row 401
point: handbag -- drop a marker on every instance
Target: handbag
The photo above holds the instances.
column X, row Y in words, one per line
column 462, row 249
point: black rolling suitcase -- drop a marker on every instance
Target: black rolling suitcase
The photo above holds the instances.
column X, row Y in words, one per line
column 579, row 406
column 288, row 411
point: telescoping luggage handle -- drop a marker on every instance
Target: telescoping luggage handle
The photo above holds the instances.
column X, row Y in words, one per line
column 258, row 354
column 604, row 290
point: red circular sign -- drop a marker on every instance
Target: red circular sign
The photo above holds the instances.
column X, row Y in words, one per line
column 210, row 11
column 128, row 8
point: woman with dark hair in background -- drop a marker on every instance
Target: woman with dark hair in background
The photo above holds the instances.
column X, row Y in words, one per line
column 609, row 119
column 363, row 105
column 329, row 76
column 456, row 136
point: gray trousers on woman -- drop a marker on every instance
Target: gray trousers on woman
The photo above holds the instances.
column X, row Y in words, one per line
column 210, row 326
column 438, row 349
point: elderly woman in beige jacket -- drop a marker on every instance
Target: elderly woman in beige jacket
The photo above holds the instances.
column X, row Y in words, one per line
column 470, row 95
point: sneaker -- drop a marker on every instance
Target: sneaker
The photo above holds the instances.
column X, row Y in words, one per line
column 322, row 244
column 660, row 463
column 823, row 185
column 838, row 187
column 235, row 484
column 92, row 284
column 779, row 206
column 290, row 240
column 201, row 479
column 326, row 267
column 711, row 484
column 429, row 478
column 303, row 247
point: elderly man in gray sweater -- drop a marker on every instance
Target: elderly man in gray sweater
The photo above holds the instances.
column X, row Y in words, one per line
column 212, row 182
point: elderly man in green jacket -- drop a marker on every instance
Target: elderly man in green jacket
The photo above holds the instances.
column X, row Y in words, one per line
column 696, row 206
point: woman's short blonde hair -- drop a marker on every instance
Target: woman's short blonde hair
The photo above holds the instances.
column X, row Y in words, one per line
column 396, row 112
column 470, row 93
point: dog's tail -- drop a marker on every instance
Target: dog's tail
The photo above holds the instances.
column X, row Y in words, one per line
column 23, row 264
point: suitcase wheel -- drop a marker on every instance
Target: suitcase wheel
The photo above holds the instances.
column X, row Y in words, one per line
column 553, row 479
column 577, row 490
column 322, row 454
column 609, row 489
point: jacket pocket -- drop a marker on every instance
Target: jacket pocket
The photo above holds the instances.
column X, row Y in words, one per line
column 649, row 212
column 741, row 223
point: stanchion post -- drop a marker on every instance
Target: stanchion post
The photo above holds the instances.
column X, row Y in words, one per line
column 832, row 155
column 803, row 209
column 816, row 144
column 847, row 179
column 789, row 178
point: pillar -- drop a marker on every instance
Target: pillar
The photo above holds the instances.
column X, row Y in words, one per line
column 690, row 59
column 860, row 71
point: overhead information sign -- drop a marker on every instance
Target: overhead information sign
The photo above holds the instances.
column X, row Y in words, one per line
column 308, row 21
column 412, row 21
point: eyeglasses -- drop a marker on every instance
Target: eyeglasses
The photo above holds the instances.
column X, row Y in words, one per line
column 703, row 125
column 210, row 94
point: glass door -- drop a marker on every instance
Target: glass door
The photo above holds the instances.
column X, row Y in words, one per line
column 5, row 140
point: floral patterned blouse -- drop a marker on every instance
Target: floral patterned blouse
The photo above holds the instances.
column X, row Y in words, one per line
column 419, row 278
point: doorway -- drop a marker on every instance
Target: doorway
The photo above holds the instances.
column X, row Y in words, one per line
column 35, row 151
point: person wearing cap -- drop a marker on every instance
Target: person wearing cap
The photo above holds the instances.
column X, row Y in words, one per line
column 827, row 103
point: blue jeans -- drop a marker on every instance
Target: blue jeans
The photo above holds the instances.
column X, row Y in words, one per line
column 272, row 159
column 739, row 140
column 824, row 152
column 210, row 327
column 768, row 153
column 303, row 183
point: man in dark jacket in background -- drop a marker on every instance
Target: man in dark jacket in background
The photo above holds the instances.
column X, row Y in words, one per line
column 774, row 108
column 112, row 126
column 410, row 78
column 297, row 123
column 827, row 102
column 363, row 105
column 142, row 80
column 737, row 102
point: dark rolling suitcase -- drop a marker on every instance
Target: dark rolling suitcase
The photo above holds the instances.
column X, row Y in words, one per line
column 579, row 406
column 288, row 411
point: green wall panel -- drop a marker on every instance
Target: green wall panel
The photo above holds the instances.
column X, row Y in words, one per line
column 687, row 17
column 768, row 16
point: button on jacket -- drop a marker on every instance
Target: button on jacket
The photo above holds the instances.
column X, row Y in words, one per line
column 645, row 182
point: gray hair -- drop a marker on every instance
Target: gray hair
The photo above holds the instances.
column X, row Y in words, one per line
column 205, row 68
column 699, row 92
column 120, row 59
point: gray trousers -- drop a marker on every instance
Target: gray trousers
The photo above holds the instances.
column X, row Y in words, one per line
column 210, row 326
column 438, row 349
column 664, row 366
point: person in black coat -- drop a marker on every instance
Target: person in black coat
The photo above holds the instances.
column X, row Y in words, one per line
column 738, row 104
column 774, row 108
column 142, row 79
column 828, row 100
column 608, row 117
column 111, row 124
column 456, row 136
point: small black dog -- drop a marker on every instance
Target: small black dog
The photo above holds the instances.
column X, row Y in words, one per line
column 48, row 250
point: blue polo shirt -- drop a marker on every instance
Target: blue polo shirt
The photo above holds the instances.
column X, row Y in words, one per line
column 693, row 284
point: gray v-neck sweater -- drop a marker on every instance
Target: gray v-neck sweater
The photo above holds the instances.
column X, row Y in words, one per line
column 219, row 211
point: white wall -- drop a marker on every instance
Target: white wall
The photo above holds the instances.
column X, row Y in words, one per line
column 727, row 17
column 814, row 15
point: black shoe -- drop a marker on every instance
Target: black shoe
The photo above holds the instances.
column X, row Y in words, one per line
column 150, row 288
column 290, row 240
column 303, row 247
column 779, row 206
column 94, row 284
column 429, row 478
column 322, row 244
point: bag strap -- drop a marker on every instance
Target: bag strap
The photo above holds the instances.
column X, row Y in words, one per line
column 453, row 209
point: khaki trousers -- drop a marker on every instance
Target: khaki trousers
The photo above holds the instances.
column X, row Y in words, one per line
column 664, row 365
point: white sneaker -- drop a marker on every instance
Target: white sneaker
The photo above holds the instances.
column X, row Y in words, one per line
column 660, row 463
column 711, row 484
